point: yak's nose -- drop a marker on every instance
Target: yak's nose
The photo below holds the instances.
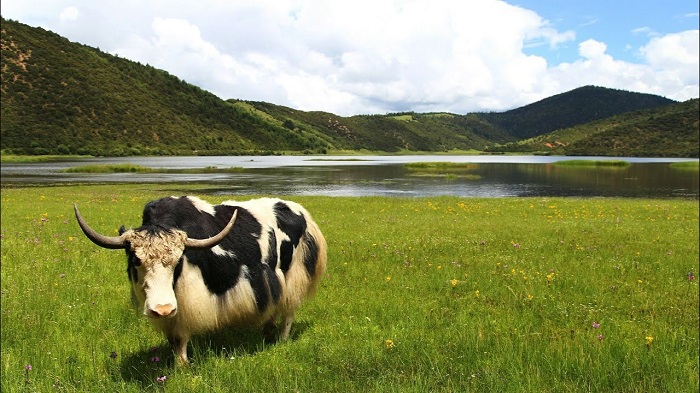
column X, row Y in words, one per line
column 163, row 310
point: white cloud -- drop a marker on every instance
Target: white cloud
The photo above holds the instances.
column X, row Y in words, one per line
column 69, row 14
column 592, row 49
column 678, row 51
column 355, row 57
column 369, row 56
column 671, row 67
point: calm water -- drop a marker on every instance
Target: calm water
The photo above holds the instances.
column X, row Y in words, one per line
column 494, row 176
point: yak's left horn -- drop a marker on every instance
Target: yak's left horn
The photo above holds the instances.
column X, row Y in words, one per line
column 199, row 244
column 113, row 242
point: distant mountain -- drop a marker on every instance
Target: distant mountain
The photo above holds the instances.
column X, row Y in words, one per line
column 565, row 110
column 394, row 132
column 668, row 131
column 60, row 97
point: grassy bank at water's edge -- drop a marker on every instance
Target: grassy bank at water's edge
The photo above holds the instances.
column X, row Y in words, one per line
column 425, row 294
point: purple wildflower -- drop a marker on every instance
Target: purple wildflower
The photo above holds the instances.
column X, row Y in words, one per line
column 155, row 359
column 27, row 369
column 161, row 379
column 596, row 325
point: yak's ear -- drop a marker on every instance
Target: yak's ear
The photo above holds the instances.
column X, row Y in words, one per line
column 122, row 230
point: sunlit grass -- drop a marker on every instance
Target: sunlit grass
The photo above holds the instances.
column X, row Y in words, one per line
column 427, row 294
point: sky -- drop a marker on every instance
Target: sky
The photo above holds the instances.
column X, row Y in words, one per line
column 387, row 56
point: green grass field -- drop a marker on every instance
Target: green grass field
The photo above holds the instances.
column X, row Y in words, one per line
column 422, row 295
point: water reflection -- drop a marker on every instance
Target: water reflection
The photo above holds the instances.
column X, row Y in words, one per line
column 386, row 176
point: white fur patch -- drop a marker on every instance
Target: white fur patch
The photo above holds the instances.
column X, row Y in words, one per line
column 219, row 251
column 202, row 206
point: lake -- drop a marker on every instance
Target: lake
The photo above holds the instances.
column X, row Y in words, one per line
column 490, row 176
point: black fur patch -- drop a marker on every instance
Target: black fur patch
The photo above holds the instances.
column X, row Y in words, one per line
column 271, row 259
column 311, row 255
column 132, row 262
column 294, row 226
column 221, row 272
column 256, row 276
column 274, row 285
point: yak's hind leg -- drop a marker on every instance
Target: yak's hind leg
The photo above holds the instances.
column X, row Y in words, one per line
column 270, row 330
column 287, row 320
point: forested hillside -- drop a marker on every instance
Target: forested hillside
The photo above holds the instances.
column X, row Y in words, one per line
column 578, row 106
column 669, row 131
column 60, row 97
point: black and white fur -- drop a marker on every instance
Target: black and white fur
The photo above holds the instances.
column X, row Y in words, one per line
column 263, row 269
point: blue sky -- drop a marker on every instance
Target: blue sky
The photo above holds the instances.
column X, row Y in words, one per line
column 623, row 25
column 381, row 56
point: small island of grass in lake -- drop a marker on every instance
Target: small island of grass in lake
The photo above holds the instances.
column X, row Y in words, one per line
column 594, row 163
column 686, row 165
column 133, row 168
column 449, row 170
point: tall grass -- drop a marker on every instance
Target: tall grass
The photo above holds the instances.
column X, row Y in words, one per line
column 428, row 294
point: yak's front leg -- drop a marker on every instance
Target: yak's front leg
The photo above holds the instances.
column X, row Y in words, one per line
column 270, row 333
column 179, row 345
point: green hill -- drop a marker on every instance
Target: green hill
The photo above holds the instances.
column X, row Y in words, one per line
column 60, row 97
column 394, row 132
column 668, row 131
column 578, row 106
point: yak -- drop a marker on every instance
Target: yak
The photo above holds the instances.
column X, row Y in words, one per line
column 195, row 267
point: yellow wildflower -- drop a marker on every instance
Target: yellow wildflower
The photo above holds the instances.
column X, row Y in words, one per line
column 454, row 282
column 389, row 344
column 550, row 277
column 649, row 340
column 476, row 293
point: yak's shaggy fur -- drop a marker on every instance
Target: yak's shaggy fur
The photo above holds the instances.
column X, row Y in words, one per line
column 262, row 270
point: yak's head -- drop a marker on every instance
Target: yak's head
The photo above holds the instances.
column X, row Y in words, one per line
column 153, row 253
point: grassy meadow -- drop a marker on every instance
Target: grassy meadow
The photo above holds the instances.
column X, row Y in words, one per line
column 422, row 295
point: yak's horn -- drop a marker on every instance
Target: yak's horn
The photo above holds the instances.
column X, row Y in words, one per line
column 113, row 242
column 214, row 240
